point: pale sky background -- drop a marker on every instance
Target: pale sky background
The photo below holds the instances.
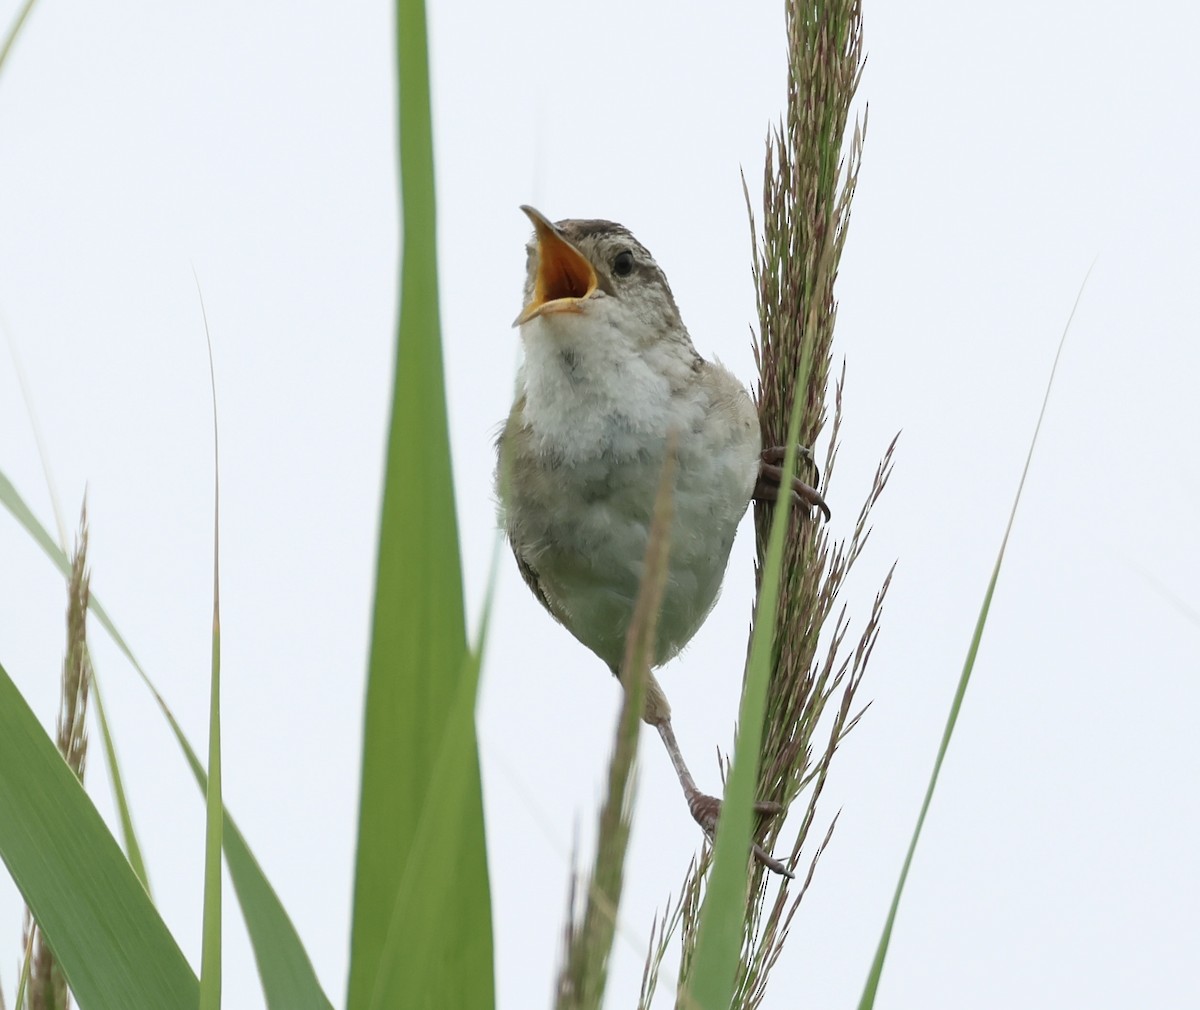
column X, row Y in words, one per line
column 1009, row 147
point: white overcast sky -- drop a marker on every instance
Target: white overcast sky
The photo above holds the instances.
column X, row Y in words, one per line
column 1009, row 146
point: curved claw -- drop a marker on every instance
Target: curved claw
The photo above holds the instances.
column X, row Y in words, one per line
column 776, row 454
column 771, row 863
column 770, row 480
column 705, row 809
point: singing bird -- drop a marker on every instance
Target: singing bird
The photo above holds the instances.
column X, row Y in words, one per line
column 609, row 373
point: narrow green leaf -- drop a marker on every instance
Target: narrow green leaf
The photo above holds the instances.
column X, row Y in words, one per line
column 14, row 31
column 288, row 979
column 289, row 982
column 12, row 500
column 214, row 821
column 418, row 738
column 113, row 947
column 872, row 986
column 26, row 965
column 406, row 952
column 405, row 956
column 15, row 504
column 411, row 971
column 128, row 836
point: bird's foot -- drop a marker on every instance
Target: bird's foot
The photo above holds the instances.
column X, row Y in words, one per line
column 706, row 809
column 770, row 479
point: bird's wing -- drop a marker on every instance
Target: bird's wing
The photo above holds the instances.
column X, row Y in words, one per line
column 531, row 580
column 513, row 438
column 730, row 399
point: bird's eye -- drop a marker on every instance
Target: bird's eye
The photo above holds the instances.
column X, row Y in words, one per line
column 623, row 265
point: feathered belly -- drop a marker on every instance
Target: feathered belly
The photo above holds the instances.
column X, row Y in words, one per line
column 584, row 532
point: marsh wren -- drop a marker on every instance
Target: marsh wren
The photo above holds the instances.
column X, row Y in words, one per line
column 609, row 374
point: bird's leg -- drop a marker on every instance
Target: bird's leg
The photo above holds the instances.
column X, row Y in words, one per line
column 704, row 808
column 770, row 479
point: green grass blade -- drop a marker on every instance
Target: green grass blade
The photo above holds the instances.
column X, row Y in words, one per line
column 289, row 982
column 15, row 504
column 719, row 935
column 214, row 821
column 418, row 738
column 288, row 979
column 26, row 965
column 869, row 990
column 116, row 779
column 128, row 836
column 14, row 31
column 434, row 859
column 411, row 969
column 405, row 956
column 113, row 947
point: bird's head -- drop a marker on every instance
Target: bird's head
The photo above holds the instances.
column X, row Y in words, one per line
column 597, row 270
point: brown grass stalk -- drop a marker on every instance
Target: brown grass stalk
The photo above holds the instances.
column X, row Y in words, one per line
column 589, row 940
column 810, row 175
column 47, row 989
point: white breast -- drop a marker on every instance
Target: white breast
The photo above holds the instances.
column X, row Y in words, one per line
column 598, row 416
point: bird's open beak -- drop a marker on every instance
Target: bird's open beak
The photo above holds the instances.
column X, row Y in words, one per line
column 564, row 276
